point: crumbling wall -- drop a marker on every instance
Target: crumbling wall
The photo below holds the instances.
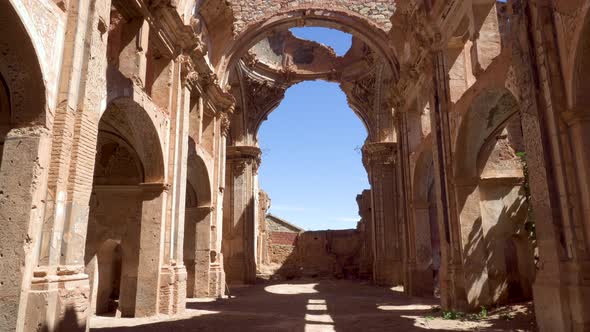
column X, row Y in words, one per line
column 316, row 254
column 249, row 12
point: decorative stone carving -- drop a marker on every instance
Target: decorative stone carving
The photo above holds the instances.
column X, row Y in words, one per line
column 379, row 153
column 225, row 124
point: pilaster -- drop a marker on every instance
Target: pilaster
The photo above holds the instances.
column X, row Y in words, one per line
column 380, row 161
column 239, row 218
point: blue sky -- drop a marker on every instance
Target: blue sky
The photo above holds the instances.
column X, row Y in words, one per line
column 311, row 166
column 336, row 39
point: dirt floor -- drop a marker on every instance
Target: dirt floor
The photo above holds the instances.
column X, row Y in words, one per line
column 325, row 305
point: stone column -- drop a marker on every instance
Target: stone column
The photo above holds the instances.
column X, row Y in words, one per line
column 452, row 289
column 239, row 216
column 217, row 283
column 174, row 274
column 366, row 228
column 58, row 290
column 379, row 160
column 150, row 253
column 417, row 277
column 23, row 183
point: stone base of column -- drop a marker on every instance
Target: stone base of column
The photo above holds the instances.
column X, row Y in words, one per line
column 388, row 272
column 172, row 290
column 216, row 281
column 166, row 290
column 59, row 302
column 202, row 267
column 179, row 303
column 452, row 287
column 418, row 282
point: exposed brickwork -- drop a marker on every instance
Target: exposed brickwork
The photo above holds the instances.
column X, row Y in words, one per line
column 248, row 12
column 283, row 238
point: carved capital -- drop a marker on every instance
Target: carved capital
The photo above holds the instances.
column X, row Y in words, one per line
column 382, row 153
column 242, row 156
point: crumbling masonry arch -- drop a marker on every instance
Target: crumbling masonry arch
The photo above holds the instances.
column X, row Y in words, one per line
column 340, row 20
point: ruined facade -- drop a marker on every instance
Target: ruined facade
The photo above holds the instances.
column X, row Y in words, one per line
column 129, row 149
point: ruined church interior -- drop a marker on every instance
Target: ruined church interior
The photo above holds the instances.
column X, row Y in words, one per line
column 130, row 196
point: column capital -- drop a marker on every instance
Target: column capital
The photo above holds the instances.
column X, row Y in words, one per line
column 379, row 153
column 242, row 156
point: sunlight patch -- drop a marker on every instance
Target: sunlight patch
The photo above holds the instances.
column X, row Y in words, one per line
column 408, row 307
column 325, row 318
column 292, row 289
column 398, row 289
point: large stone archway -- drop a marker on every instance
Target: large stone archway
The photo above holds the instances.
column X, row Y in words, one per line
column 24, row 140
column 364, row 73
column 309, row 16
column 491, row 202
column 126, row 206
column 205, row 277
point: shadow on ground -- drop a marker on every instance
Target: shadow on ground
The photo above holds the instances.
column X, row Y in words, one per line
column 325, row 305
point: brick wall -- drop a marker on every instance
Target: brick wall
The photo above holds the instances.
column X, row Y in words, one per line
column 283, row 238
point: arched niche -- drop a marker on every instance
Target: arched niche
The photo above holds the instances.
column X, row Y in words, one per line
column 21, row 71
column 492, row 202
column 426, row 233
column 128, row 119
column 128, row 156
column 24, row 160
column 488, row 112
column 198, row 227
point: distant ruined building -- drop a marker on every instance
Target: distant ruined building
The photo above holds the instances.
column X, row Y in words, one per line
column 129, row 150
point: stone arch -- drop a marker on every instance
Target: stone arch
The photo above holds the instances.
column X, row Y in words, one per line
column 339, row 19
column 198, row 226
column 24, row 146
column 198, row 178
column 126, row 202
column 488, row 112
column 21, row 70
column 357, row 108
column 491, row 202
column 126, row 118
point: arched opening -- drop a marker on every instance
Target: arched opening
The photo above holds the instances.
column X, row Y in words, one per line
column 497, row 234
column 356, row 25
column 315, row 137
column 199, row 253
column 109, row 259
column 259, row 67
column 125, row 205
column 23, row 144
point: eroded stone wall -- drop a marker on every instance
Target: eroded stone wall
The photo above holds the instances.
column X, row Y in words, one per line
column 248, row 12
column 316, row 254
